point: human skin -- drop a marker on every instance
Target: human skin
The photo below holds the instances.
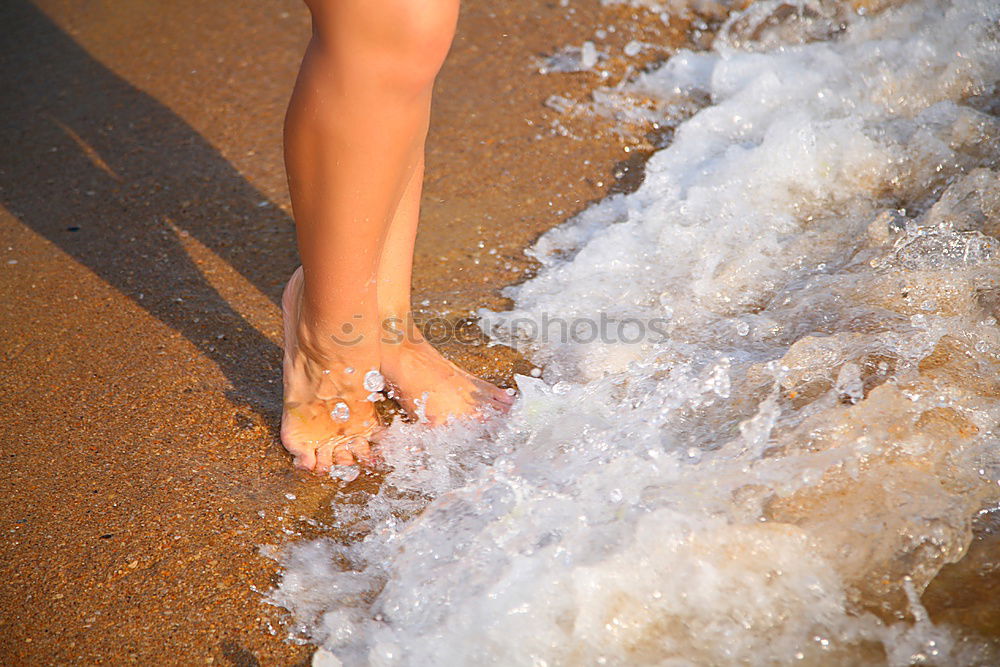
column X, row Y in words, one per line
column 354, row 146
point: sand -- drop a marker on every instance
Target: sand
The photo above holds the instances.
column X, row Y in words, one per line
column 146, row 237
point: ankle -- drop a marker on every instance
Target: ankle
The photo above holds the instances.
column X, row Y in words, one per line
column 337, row 339
column 399, row 332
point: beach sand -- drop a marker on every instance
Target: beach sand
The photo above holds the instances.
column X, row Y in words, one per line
column 147, row 236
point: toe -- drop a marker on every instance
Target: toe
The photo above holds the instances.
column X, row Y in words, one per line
column 494, row 392
column 502, row 406
column 493, row 397
column 324, row 458
column 361, row 450
column 304, row 459
column 342, row 456
column 501, row 396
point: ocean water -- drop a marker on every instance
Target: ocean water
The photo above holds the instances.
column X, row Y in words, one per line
column 767, row 413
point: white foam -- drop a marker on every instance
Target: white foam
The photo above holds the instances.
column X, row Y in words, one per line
column 802, row 448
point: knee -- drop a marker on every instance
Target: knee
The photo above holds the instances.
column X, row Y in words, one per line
column 425, row 29
column 406, row 39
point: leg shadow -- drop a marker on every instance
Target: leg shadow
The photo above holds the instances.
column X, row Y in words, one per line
column 114, row 178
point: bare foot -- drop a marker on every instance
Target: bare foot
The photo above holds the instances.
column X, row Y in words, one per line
column 327, row 418
column 431, row 388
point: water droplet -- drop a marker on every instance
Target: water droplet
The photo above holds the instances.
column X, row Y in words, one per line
column 742, row 328
column 421, row 410
column 374, row 381
column 849, row 383
column 348, row 370
column 374, row 397
column 345, row 473
column 340, row 412
column 588, row 55
column 666, row 299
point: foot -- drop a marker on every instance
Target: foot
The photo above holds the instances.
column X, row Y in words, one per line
column 327, row 418
column 432, row 389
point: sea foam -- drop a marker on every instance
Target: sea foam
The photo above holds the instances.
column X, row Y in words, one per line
column 801, row 436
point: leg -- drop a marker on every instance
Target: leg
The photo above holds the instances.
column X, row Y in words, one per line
column 416, row 370
column 355, row 123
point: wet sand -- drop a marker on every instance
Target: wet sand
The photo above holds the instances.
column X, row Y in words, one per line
column 147, row 235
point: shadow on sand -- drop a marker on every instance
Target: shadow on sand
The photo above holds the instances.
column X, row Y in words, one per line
column 115, row 179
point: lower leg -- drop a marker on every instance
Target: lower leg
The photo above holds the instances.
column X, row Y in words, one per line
column 425, row 383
